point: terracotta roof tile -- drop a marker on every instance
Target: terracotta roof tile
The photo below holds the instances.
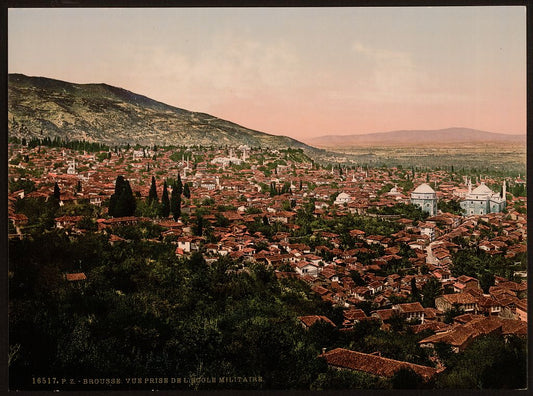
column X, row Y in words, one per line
column 373, row 364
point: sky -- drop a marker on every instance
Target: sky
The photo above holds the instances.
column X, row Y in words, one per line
column 299, row 72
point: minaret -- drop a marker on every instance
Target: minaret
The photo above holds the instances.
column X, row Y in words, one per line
column 504, row 191
column 469, row 186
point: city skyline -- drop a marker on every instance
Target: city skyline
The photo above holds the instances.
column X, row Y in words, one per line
column 297, row 72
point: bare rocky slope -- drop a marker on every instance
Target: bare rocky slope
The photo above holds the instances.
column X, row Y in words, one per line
column 41, row 107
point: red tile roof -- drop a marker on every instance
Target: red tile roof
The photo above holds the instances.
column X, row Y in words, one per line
column 372, row 364
column 310, row 320
column 75, row 277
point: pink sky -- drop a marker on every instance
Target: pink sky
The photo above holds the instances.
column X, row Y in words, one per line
column 296, row 72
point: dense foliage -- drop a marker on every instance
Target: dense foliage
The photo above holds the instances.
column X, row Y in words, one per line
column 481, row 265
column 142, row 312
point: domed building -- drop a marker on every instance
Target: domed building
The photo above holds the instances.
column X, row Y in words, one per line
column 343, row 198
column 483, row 200
column 425, row 197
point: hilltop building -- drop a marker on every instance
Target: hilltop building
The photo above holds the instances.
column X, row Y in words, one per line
column 225, row 161
column 425, row 197
column 483, row 200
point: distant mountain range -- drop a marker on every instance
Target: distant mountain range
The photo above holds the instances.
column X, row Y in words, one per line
column 451, row 136
column 41, row 107
column 44, row 107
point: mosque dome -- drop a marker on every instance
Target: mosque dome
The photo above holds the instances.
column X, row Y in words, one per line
column 482, row 189
column 342, row 196
column 424, row 189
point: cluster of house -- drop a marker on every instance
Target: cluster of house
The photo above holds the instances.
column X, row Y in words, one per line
column 502, row 310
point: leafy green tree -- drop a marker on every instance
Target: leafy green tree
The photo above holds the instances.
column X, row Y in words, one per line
column 345, row 379
column 451, row 206
column 356, row 277
column 87, row 223
column 397, row 322
column 431, row 290
column 321, row 334
column 286, row 205
column 221, row 221
column 452, row 313
column 148, row 209
column 405, row 378
column 22, row 184
column 486, row 280
column 490, row 362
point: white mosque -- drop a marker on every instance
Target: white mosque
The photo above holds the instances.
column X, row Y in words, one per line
column 425, row 197
column 483, row 200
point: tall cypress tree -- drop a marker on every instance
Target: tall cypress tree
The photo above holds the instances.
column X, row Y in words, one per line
column 119, row 185
column 57, row 192
column 186, row 191
column 165, row 202
column 122, row 202
column 415, row 293
column 198, row 229
column 175, row 202
column 126, row 201
column 176, row 213
column 152, row 195
column 131, row 203
column 179, row 185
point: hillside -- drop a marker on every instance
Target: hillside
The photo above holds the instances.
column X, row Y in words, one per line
column 40, row 107
column 418, row 138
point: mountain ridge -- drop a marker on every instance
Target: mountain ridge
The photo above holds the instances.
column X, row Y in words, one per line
column 453, row 135
column 99, row 112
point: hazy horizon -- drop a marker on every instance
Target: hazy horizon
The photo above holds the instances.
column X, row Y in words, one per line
column 303, row 72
